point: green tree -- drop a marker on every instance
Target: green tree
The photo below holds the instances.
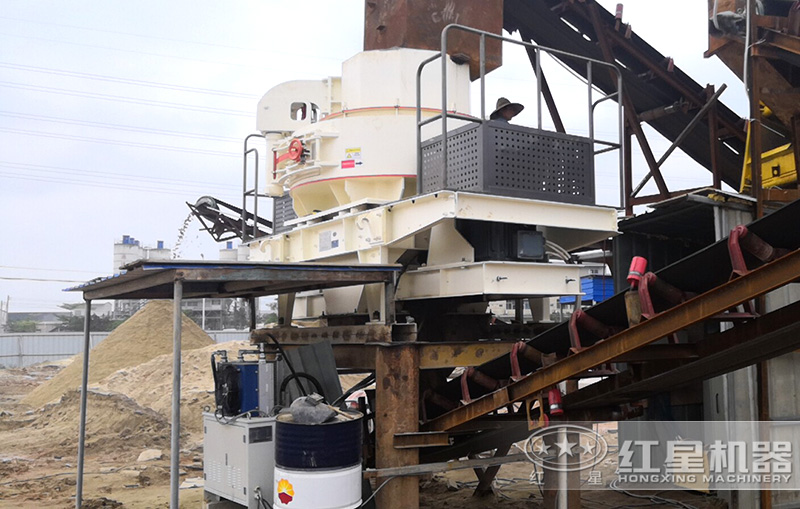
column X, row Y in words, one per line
column 235, row 314
column 98, row 324
column 21, row 326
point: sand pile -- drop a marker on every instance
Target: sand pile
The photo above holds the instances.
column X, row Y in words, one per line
column 144, row 336
column 115, row 425
column 150, row 384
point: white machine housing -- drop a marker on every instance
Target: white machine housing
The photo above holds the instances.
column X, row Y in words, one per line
column 354, row 190
column 238, row 457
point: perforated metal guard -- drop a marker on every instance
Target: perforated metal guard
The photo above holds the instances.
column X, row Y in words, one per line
column 283, row 212
column 508, row 160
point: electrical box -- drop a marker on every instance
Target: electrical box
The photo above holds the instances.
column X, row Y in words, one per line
column 244, row 387
column 238, row 457
column 495, row 241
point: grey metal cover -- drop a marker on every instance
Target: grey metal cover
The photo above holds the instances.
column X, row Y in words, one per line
column 283, row 212
column 509, row 160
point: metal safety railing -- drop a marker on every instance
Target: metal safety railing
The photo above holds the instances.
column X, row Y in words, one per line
column 250, row 192
column 538, row 50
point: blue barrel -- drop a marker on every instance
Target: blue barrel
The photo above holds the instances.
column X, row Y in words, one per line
column 330, row 445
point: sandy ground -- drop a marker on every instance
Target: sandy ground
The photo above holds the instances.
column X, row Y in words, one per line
column 38, row 450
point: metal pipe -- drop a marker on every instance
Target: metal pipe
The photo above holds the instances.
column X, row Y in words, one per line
column 87, row 326
column 429, row 120
column 623, row 143
column 255, row 196
column 244, row 191
column 591, row 106
column 244, row 182
column 538, row 89
column 684, row 134
column 483, row 77
column 175, row 427
column 419, row 119
column 444, row 105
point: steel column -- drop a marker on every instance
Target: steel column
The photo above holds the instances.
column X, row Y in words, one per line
column 175, row 425
column 713, row 139
column 762, row 280
column 397, row 411
column 87, row 345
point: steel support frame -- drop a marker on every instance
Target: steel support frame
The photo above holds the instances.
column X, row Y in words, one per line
column 758, row 282
column 619, row 39
column 745, row 344
column 634, row 124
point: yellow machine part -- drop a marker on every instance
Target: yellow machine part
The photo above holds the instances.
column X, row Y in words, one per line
column 778, row 167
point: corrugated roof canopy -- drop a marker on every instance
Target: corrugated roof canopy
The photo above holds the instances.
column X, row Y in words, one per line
column 155, row 280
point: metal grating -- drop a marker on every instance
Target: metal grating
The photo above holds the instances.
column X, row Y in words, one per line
column 540, row 162
column 283, row 212
column 508, row 160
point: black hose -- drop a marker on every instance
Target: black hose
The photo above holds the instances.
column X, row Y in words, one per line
column 295, row 376
column 357, row 387
column 214, row 370
column 288, row 364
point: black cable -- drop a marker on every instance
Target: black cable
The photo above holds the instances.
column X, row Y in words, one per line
column 384, row 483
column 262, row 502
column 288, row 364
column 214, row 371
column 357, row 387
column 295, row 376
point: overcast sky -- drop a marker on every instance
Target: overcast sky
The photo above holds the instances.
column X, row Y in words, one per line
column 114, row 114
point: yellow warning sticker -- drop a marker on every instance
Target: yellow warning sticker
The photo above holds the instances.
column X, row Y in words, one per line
column 353, row 154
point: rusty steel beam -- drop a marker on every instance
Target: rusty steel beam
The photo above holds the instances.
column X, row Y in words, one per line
column 340, row 334
column 420, row 439
column 713, row 139
column 351, row 352
column 758, row 282
column 361, row 357
column 658, row 70
column 486, row 474
column 451, row 355
column 648, row 353
column 780, row 195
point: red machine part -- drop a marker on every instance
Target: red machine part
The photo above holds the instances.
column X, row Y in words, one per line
column 479, row 378
column 294, row 153
column 528, row 352
column 554, row 400
column 739, row 239
column 580, row 320
column 637, row 270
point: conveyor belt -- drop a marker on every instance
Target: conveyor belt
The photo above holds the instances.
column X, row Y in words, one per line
column 697, row 273
column 536, row 20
